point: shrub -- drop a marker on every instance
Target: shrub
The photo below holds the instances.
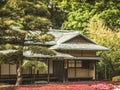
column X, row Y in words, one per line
column 116, row 78
column 4, row 87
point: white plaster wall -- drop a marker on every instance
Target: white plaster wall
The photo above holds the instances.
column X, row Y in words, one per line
column 13, row 69
column 51, row 67
column 80, row 72
column 5, row 69
column 71, row 72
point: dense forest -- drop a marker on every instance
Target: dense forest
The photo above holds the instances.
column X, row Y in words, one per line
column 98, row 19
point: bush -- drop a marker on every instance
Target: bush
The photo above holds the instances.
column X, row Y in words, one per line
column 116, row 78
column 4, row 87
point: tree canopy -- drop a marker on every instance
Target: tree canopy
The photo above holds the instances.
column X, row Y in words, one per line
column 79, row 13
column 17, row 19
column 100, row 33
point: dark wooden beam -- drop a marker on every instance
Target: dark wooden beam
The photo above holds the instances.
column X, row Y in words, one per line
column 96, row 72
column 67, row 72
column 75, row 67
column 48, row 70
column 64, row 71
column 9, row 69
column 0, row 70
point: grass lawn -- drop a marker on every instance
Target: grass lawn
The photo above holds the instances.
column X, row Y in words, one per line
column 101, row 85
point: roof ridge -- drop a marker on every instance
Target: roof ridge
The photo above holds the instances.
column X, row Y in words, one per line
column 69, row 31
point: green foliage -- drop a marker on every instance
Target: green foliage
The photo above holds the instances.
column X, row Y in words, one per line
column 10, row 47
column 11, row 57
column 79, row 13
column 17, row 18
column 28, row 15
column 111, row 17
column 116, row 78
column 38, row 65
column 100, row 33
column 78, row 17
column 2, row 3
column 4, row 12
column 36, row 23
column 12, row 36
column 2, row 57
column 43, row 37
column 40, row 49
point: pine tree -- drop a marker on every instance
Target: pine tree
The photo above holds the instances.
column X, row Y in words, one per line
column 17, row 19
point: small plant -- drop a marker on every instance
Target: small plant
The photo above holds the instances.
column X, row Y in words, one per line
column 7, row 87
column 116, row 78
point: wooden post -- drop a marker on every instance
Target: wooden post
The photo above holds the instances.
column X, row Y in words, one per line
column 0, row 70
column 105, row 72
column 96, row 70
column 48, row 70
column 75, row 67
column 64, row 70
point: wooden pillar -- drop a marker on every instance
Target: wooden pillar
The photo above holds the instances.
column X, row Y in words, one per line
column 9, row 70
column 75, row 67
column 48, row 70
column 63, row 69
column 67, row 72
column 89, row 68
column 0, row 70
column 95, row 77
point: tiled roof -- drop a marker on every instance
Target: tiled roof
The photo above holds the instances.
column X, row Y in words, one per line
column 60, row 36
column 58, row 56
column 84, row 46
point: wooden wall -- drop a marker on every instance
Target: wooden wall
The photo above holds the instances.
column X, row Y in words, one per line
column 7, row 69
column 11, row 69
column 82, row 53
column 76, row 70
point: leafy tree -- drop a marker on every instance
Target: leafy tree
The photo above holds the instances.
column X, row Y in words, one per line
column 17, row 19
column 2, row 3
column 100, row 33
column 79, row 13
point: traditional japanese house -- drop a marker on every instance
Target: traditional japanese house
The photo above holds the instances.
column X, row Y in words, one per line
column 75, row 59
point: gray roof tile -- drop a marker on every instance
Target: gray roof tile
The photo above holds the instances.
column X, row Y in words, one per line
column 58, row 56
column 84, row 46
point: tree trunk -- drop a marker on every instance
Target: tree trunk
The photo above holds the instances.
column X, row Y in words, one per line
column 112, row 68
column 20, row 69
column 19, row 74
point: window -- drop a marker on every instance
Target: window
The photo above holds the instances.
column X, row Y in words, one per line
column 78, row 64
column 71, row 64
column 74, row 65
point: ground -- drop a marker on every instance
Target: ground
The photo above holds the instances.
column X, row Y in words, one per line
column 99, row 85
